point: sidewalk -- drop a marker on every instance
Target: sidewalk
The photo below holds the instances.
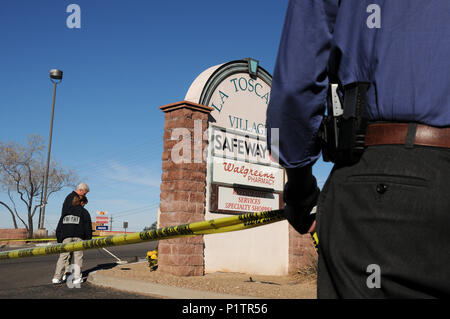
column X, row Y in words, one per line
column 138, row 278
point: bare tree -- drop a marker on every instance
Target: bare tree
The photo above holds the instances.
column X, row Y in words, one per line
column 22, row 172
column 152, row 227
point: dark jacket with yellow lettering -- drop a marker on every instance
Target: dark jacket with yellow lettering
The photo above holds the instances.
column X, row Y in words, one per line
column 75, row 222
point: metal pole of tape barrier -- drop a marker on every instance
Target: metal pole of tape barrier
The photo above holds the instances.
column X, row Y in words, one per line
column 220, row 225
column 119, row 261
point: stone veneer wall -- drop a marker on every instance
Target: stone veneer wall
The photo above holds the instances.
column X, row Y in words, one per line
column 183, row 187
column 302, row 253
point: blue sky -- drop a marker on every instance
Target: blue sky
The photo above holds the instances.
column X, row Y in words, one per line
column 127, row 59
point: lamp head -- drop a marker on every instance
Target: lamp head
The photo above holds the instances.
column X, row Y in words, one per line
column 56, row 74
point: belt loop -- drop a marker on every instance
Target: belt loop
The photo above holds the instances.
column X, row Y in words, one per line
column 411, row 135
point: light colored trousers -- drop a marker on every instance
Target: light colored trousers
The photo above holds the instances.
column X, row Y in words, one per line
column 63, row 260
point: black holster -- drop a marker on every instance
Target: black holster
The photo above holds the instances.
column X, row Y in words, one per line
column 343, row 137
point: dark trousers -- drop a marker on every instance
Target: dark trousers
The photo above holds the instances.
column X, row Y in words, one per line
column 384, row 225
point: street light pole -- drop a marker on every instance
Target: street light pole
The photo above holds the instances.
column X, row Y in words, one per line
column 55, row 77
column 42, row 196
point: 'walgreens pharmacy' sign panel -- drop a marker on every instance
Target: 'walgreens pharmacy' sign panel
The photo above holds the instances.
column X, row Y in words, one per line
column 231, row 172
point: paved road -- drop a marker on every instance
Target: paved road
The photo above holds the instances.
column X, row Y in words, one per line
column 31, row 277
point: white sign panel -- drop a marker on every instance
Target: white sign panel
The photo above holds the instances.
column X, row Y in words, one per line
column 246, row 201
column 231, row 172
column 102, row 220
column 240, row 102
column 101, row 217
column 238, row 146
column 239, row 93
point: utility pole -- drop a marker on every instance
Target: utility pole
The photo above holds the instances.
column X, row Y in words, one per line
column 110, row 223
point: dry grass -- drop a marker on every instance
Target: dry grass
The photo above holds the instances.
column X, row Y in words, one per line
column 311, row 267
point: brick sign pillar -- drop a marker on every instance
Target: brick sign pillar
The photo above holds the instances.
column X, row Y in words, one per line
column 183, row 185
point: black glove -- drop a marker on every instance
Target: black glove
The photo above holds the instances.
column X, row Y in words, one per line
column 300, row 195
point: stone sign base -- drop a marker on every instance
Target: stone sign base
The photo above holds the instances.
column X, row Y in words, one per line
column 182, row 191
column 183, row 201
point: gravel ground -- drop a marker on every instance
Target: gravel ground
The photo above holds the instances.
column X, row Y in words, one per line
column 273, row 287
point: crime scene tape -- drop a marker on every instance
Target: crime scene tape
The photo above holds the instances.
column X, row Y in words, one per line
column 213, row 226
column 30, row 239
column 315, row 239
column 34, row 239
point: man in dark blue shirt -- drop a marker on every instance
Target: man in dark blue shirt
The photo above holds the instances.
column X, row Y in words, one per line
column 383, row 222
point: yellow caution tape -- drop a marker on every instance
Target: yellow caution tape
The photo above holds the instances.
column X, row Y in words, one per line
column 35, row 239
column 315, row 239
column 29, row 239
column 220, row 225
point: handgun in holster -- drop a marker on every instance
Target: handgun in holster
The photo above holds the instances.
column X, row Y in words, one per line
column 342, row 131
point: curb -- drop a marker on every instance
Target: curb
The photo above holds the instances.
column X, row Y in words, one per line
column 157, row 290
